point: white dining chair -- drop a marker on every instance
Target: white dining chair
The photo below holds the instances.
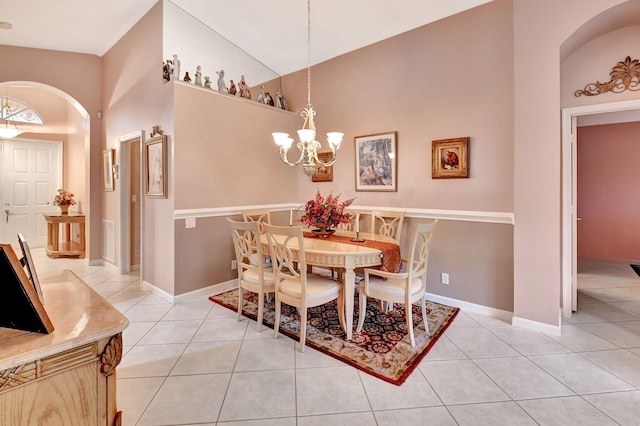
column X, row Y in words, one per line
column 253, row 274
column 293, row 284
column 387, row 223
column 406, row 287
column 352, row 224
column 260, row 216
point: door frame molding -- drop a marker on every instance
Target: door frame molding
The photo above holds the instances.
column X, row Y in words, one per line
column 123, row 162
column 569, row 186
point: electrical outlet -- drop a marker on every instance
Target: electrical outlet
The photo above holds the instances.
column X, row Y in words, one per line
column 445, row 278
column 234, row 265
column 190, row 222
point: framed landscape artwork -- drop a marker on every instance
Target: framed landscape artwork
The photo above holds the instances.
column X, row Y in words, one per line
column 155, row 161
column 376, row 162
column 450, row 158
column 324, row 173
column 107, row 169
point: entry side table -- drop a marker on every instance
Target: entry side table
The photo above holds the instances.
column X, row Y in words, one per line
column 65, row 247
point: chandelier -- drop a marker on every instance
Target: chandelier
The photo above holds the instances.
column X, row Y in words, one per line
column 9, row 130
column 307, row 145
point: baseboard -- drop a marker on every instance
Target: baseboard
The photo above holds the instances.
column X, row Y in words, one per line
column 553, row 330
column 472, row 307
column 185, row 297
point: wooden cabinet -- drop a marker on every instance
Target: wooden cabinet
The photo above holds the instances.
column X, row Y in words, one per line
column 67, row 377
column 62, row 244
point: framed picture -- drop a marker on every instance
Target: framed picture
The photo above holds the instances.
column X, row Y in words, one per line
column 376, row 162
column 20, row 306
column 324, row 173
column 27, row 262
column 155, row 161
column 107, row 169
column 450, row 158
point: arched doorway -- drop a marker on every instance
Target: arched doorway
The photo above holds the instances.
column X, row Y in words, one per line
column 66, row 123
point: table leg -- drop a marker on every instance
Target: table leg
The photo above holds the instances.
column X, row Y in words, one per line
column 55, row 237
column 349, row 291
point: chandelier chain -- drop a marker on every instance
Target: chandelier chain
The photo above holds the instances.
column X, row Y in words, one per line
column 308, row 52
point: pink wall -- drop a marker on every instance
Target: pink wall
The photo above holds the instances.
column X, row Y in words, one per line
column 435, row 82
column 136, row 98
column 540, row 28
column 608, row 192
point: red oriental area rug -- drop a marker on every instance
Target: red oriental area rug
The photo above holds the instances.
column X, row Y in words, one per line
column 382, row 349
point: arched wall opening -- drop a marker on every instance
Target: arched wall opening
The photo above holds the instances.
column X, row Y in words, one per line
column 67, row 121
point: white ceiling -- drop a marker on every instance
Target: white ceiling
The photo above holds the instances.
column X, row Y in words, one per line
column 272, row 31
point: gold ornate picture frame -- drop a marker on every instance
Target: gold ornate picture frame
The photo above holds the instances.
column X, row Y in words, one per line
column 323, row 173
column 155, row 162
column 107, row 170
column 450, row 158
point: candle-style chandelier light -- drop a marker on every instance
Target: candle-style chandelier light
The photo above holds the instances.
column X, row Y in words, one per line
column 9, row 129
column 307, row 145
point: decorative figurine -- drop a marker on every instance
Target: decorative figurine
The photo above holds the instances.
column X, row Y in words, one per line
column 222, row 87
column 232, row 88
column 198, row 76
column 261, row 99
column 175, row 70
column 281, row 102
column 244, row 89
column 186, row 77
column 268, row 99
column 156, row 131
column 166, row 70
column 207, row 82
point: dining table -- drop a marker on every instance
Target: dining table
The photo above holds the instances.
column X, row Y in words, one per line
column 338, row 251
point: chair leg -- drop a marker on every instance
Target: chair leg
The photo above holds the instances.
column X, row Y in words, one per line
column 260, row 311
column 240, row 302
column 303, row 328
column 410, row 323
column 425, row 319
column 341, row 309
column 362, row 301
column 276, row 324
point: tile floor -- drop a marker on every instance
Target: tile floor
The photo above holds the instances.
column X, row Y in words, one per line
column 193, row 364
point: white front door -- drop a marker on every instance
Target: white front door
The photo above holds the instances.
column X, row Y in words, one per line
column 31, row 174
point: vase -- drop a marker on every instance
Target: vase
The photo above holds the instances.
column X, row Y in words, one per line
column 323, row 230
column 64, row 210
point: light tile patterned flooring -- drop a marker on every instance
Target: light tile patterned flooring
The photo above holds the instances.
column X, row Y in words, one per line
column 193, row 364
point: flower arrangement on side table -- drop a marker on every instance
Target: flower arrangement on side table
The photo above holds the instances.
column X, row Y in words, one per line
column 64, row 199
column 326, row 212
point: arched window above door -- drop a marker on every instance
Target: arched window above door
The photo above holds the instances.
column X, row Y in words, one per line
column 20, row 112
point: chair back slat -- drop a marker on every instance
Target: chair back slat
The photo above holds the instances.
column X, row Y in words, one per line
column 260, row 216
column 351, row 225
column 419, row 250
column 246, row 243
column 388, row 224
column 283, row 241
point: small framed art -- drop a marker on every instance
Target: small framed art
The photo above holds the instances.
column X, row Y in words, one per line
column 450, row 158
column 27, row 262
column 376, row 162
column 155, row 161
column 323, row 173
column 107, row 169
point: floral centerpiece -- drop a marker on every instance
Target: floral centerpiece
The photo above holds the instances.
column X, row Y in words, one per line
column 326, row 212
column 64, row 199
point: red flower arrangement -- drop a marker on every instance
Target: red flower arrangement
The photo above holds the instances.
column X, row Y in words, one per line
column 64, row 198
column 327, row 210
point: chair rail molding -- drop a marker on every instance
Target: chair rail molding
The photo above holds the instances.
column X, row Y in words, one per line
column 506, row 218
